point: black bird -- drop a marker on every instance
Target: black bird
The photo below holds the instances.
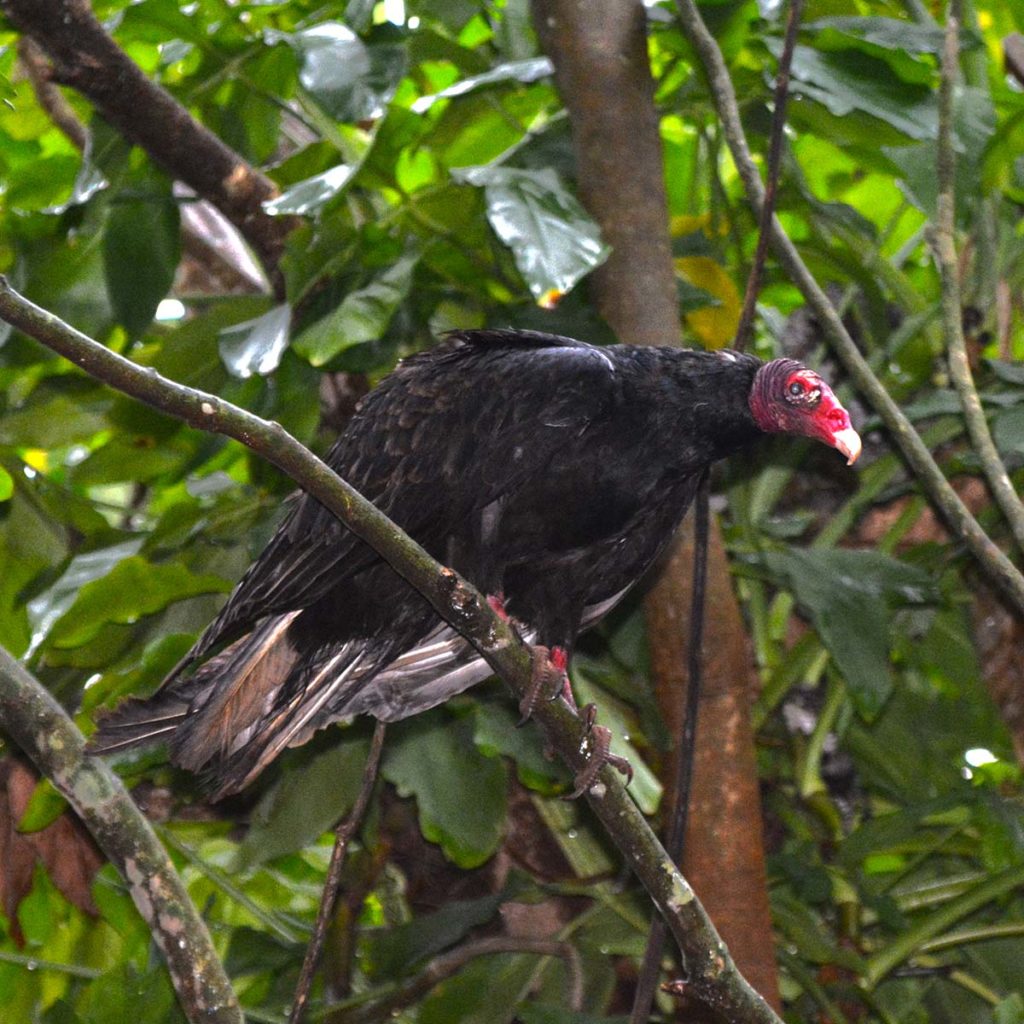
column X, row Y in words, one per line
column 545, row 470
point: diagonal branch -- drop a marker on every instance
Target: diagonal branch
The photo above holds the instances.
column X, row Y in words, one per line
column 713, row 978
column 45, row 732
column 952, row 321
column 993, row 562
column 86, row 58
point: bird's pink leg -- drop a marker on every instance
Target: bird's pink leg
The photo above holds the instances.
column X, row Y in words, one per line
column 549, row 679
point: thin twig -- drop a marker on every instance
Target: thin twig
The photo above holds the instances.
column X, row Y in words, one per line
column 714, row 977
column 746, row 325
column 991, row 560
column 952, row 318
column 342, row 837
column 45, row 732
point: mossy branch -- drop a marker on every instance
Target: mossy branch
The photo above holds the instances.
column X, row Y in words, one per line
column 45, row 732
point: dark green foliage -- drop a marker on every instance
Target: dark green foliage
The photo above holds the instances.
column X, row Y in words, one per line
column 430, row 167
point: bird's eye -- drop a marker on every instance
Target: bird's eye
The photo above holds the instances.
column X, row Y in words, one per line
column 796, row 388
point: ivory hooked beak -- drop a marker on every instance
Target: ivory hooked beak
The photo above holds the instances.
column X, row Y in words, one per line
column 848, row 442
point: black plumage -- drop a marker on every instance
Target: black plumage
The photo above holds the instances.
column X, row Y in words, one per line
column 543, row 469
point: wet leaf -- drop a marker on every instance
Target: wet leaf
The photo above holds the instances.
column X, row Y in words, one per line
column 460, row 794
column 312, row 194
column 256, row 346
column 132, row 589
column 351, row 80
column 528, row 70
column 363, row 315
column 553, row 240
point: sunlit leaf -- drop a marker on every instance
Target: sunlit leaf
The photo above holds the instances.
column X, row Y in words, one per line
column 363, row 315
column 528, row 70
column 256, row 346
column 351, row 80
column 309, row 196
column 553, row 240
column 132, row 589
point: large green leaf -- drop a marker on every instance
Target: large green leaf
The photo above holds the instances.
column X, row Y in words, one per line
column 132, row 589
column 553, row 240
column 395, row 952
column 848, row 595
column 141, row 248
column 256, row 346
column 351, row 80
column 529, row 69
column 460, row 793
column 848, row 81
column 310, row 798
column 363, row 315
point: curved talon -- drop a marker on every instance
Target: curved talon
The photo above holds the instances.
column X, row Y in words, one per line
column 600, row 755
column 547, row 677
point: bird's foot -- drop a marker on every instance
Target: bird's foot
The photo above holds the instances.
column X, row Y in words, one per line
column 599, row 739
column 497, row 603
column 549, row 679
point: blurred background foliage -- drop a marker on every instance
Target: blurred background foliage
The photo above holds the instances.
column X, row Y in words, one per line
column 427, row 157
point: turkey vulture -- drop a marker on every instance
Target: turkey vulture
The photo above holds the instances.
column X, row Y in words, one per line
column 545, row 470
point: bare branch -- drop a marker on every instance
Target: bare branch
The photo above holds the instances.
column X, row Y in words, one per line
column 992, row 561
column 952, row 318
column 713, row 978
column 45, row 732
column 86, row 58
column 746, row 324
column 345, row 831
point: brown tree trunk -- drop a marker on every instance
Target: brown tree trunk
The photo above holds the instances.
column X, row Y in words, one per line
column 599, row 49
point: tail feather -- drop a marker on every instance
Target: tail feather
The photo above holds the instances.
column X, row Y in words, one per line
column 137, row 721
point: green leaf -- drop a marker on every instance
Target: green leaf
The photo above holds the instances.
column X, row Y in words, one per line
column 486, row 991
column 847, row 594
column 256, row 346
column 553, row 240
column 363, row 315
column 848, row 81
column 46, row 608
column 139, row 459
column 312, row 194
column 1008, row 431
column 132, row 589
column 310, row 798
column 350, row 80
column 495, row 732
column 394, row 953
column 529, row 70
column 460, row 793
column 891, row 33
column 1009, row 1010
column 141, row 249
column 45, row 806
column 6, row 484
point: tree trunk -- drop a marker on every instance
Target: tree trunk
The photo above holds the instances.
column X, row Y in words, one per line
column 599, row 49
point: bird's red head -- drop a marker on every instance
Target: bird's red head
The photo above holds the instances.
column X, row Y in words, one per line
column 788, row 398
